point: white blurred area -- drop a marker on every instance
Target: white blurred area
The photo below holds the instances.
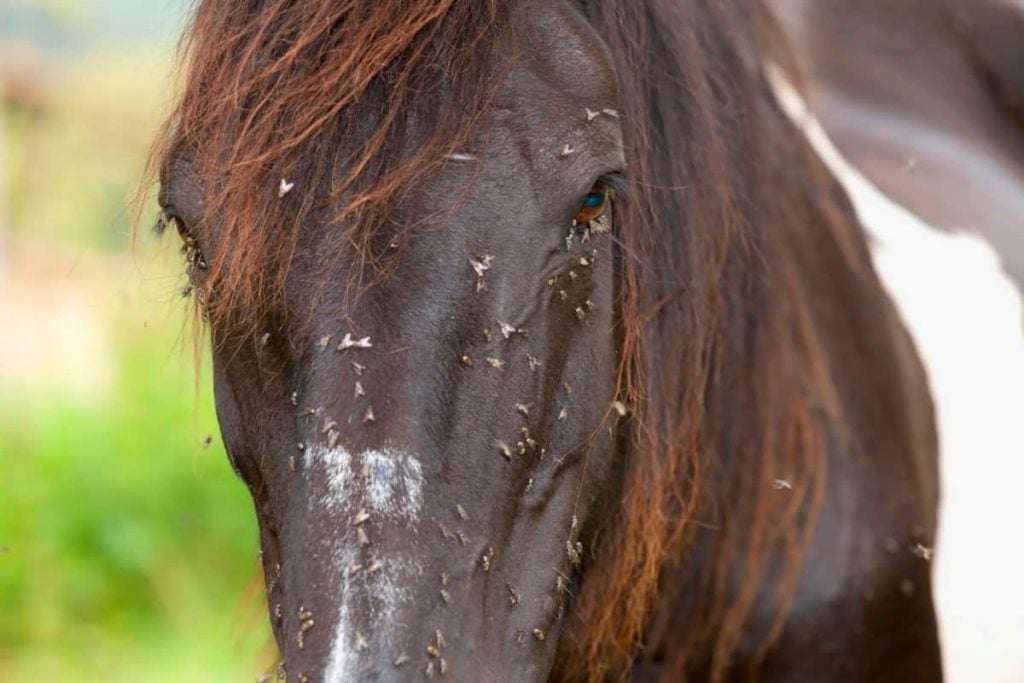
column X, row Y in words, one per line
column 967, row 320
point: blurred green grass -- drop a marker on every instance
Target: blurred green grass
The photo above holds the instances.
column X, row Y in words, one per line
column 128, row 549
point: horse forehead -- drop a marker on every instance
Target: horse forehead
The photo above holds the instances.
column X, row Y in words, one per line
column 556, row 43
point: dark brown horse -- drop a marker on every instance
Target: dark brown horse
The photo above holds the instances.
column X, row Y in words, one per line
column 547, row 347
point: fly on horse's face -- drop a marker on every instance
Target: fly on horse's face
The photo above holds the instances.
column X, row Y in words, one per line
column 428, row 465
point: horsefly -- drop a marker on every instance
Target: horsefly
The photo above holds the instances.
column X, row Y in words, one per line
column 369, row 416
column 567, row 151
column 591, row 115
column 349, row 343
column 506, row 329
column 495, row 363
column 532, row 360
column 461, row 512
column 284, row 188
column 562, row 414
column 324, row 341
column 400, row 661
column 782, row 485
column 923, row 551
column 360, row 517
column 523, row 409
column 359, row 391
column 481, row 265
column 486, row 559
column 306, row 619
column 600, row 224
column 575, row 552
column 611, row 112
column 359, row 369
column 513, row 596
column 361, row 643
column 504, row 449
column 361, row 536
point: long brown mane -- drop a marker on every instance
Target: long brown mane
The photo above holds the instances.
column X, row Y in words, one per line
column 333, row 97
column 734, row 230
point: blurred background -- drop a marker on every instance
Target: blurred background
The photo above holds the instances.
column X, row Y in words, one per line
column 128, row 548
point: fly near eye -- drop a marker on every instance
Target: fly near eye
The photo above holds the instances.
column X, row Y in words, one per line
column 594, row 204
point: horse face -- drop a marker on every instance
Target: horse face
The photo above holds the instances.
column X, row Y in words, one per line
column 430, row 469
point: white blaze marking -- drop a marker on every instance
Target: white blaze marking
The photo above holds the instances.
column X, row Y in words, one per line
column 388, row 485
column 966, row 318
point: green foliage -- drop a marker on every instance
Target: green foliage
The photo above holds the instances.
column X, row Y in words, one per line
column 128, row 548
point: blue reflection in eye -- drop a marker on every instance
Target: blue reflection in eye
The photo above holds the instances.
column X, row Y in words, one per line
column 593, row 200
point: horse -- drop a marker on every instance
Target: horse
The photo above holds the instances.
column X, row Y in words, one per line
column 923, row 107
column 548, row 347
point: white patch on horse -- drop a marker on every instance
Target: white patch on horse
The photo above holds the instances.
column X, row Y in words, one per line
column 380, row 487
column 966, row 318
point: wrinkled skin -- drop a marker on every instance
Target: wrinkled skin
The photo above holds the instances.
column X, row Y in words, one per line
column 392, row 531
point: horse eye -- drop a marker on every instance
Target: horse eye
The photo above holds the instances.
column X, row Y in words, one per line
column 189, row 245
column 594, row 204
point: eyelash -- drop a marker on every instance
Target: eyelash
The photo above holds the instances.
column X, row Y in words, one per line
column 190, row 248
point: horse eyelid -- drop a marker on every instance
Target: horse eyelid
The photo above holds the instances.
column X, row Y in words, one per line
column 615, row 182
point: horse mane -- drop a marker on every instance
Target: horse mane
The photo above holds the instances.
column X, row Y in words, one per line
column 734, row 231
column 333, row 97
column 742, row 238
